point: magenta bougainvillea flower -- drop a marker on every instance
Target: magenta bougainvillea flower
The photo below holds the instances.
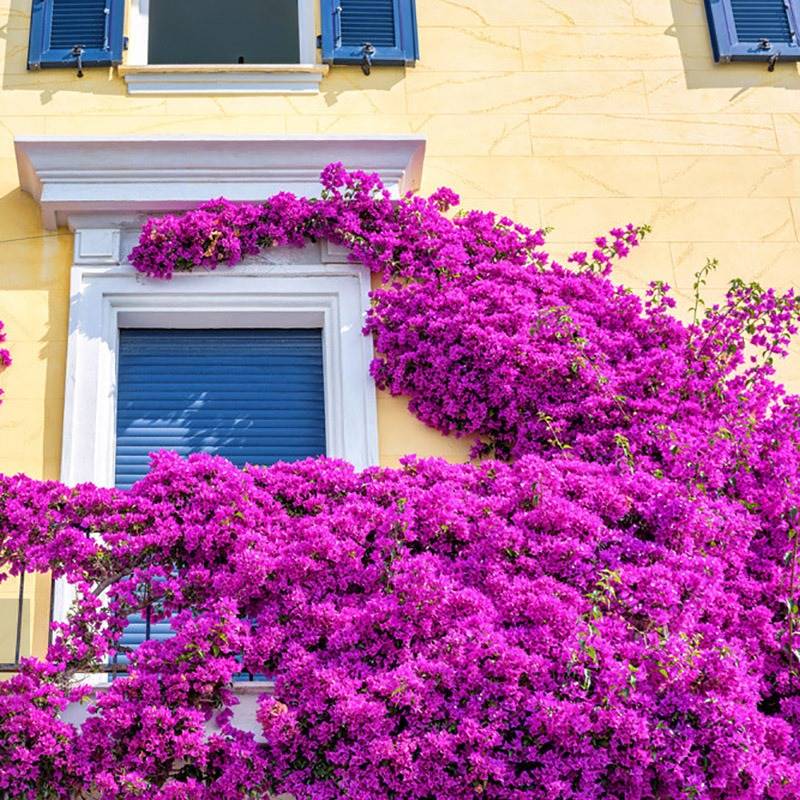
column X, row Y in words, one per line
column 5, row 356
column 601, row 606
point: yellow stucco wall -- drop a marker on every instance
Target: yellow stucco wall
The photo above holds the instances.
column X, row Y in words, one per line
column 578, row 114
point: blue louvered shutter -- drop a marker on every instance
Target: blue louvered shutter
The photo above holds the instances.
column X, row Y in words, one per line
column 59, row 26
column 754, row 30
column 390, row 26
column 252, row 396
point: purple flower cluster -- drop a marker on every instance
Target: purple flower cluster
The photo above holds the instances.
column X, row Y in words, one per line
column 607, row 609
column 5, row 356
column 549, row 628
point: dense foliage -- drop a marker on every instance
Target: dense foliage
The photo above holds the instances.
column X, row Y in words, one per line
column 604, row 609
column 5, row 356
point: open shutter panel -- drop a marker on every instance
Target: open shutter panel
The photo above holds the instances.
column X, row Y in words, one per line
column 252, row 396
column 63, row 29
column 754, row 30
column 385, row 28
column 138, row 630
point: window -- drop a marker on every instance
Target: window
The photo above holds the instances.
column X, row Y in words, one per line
column 205, row 46
column 250, row 395
column 754, row 30
column 257, row 364
column 211, row 32
column 310, row 292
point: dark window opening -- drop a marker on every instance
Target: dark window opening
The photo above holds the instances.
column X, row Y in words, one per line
column 233, row 32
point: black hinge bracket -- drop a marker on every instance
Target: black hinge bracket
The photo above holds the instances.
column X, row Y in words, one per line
column 77, row 53
column 367, row 51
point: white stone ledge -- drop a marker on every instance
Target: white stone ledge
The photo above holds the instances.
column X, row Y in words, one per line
column 223, row 78
column 244, row 713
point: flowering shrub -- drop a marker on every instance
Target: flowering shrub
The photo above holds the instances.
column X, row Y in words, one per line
column 605, row 610
column 5, row 356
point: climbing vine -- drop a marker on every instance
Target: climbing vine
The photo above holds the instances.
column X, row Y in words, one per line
column 5, row 356
column 602, row 606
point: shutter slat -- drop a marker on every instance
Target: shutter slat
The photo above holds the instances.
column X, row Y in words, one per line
column 79, row 22
column 761, row 19
column 368, row 21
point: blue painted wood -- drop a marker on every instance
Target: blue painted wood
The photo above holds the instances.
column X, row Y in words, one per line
column 252, row 396
column 754, row 30
column 57, row 26
column 390, row 26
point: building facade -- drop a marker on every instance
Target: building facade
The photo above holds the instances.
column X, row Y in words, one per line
column 577, row 115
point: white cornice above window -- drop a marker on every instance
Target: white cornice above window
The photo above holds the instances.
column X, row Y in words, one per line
column 126, row 177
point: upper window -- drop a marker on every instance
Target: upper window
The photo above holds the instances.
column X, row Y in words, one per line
column 230, row 32
column 255, row 36
column 754, row 30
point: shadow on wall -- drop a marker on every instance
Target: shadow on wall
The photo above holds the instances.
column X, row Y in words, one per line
column 342, row 79
column 690, row 28
column 106, row 81
column 34, row 289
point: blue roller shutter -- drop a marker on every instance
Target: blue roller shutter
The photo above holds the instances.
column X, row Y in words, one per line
column 58, row 27
column 252, row 396
column 754, row 30
column 389, row 26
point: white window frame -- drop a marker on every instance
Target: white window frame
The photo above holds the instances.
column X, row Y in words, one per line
column 144, row 78
column 333, row 297
column 105, row 299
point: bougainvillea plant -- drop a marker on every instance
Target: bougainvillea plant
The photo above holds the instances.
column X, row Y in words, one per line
column 5, row 356
column 602, row 606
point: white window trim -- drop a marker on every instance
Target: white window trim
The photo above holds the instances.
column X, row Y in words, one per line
column 144, row 78
column 105, row 299
column 261, row 294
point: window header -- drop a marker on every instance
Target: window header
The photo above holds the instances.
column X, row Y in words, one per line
column 133, row 176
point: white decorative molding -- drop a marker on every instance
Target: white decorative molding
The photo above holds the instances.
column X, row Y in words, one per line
column 263, row 295
column 224, row 78
column 122, row 178
column 103, row 188
column 97, row 246
column 334, row 253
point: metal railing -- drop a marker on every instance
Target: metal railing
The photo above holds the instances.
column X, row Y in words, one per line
column 113, row 666
column 13, row 666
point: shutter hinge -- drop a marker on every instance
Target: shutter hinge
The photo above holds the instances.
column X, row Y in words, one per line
column 766, row 45
column 77, row 53
column 367, row 51
column 319, row 42
column 124, row 42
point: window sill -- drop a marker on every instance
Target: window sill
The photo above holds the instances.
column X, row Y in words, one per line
column 223, row 78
